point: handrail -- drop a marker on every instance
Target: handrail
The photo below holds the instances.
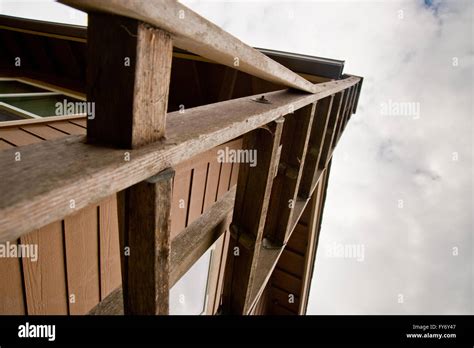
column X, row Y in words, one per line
column 196, row 34
column 56, row 178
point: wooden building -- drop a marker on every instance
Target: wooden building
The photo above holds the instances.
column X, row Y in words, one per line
column 132, row 203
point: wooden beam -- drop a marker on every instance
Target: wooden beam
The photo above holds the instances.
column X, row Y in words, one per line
column 195, row 34
column 294, row 140
column 148, row 230
column 200, row 235
column 316, row 142
column 250, row 211
column 128, row 76
column 57, row 178
column 186, row 248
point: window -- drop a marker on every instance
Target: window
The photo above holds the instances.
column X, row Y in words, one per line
column 20, row 100
column 189, row 296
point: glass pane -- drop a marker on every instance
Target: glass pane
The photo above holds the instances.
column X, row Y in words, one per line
column 7, row 115
column 8, row 87
column 42, row 106
column 188, row 295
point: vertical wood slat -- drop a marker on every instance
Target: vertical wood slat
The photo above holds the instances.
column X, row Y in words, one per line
column 110, row 275
column 316, row 141
column 11, row 286
column 294, row 141
column 335, row 116
column 180, row 201
column 128, row 74
column 82, row 260
column 344, row 110
column 148, row 230
column 250, row 210
column 45, row 278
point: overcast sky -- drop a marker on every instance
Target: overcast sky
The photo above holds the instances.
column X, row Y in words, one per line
column 401, row 184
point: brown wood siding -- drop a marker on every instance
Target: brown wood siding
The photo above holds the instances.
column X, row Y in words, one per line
column 79, row 258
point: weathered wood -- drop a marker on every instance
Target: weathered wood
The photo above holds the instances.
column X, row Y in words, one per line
column 128, row 75
column 148, row 229
column 11, row 289
column 294, row 141
column 194, row 33
column 336, row 113
column 198, row 237
column 185, row 249
column 250, row 211
column 316, row 141
column 315, row 209
column 51, row 173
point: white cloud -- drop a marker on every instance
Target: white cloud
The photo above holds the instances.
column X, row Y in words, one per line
column 382, row 159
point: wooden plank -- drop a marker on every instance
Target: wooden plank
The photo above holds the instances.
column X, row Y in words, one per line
column 11, row 286
column 294, row 141
column 286, row 300
column 5, row 145
column 286, row 281
column 60, row 170
column 291, row 262
column 299, row 239
column 42, row 120
column 223, row 259
column 336, row 113
column 180, row 201
column 148, row 229
column 344, row 110
column 224, row 179
column 200, row 235
column 18, row 137
column 197, row 191
column 124, row 52
column 195, row 34
column 42, row 131
column 315, row 146
column 110, row 275
column 212, row 182
column 45, row 278
column 315, row 209
column 250, row 211
column 67, row 127
column 82, row 260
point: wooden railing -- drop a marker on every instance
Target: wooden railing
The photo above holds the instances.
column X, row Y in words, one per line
column 132, row 145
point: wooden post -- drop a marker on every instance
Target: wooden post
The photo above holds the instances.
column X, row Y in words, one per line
column 128, row 74
column 250, row 210
column 316, row 141
column 336, row 114
column 147, row 255
column 294, row 141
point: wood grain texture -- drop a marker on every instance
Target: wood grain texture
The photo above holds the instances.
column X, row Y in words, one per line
column 54, row 172
column 250, row 211
column 45, row 279
column 195, row 34
column 336, row 112
column 294, row 141
column 11, row 286
column 110, row 276
column 82, row 260
column 315, row 146
column 124, row 52
column 148, row 229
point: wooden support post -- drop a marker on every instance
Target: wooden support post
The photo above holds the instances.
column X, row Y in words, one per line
column 250, row 210
column 147, row 255
column 128, row 74
column 336, row 114
column 294, row 141
column 316, row 141
column 345, row 104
